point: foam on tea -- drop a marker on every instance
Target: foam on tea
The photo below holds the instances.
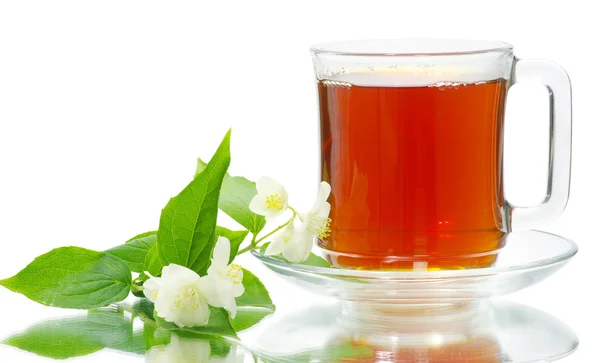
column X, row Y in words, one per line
column 414, row 162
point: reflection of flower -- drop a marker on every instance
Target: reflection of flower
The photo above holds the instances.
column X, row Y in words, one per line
column 182, row 297
column 271, row 200
column 177, row 296
column 187, row 350
column 224, row 281
column 317, row 219
column 234, row 356
column 293, row 243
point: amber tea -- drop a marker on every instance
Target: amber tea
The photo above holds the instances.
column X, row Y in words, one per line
column 415, row 171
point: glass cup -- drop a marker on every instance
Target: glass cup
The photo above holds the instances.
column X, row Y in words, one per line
column 412, row 143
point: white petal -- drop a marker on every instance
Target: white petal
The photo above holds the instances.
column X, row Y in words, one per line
column 237, row 290
column 284, row 195
column 215, row 290
column 258, row 205
column 159, row 354
column 231, row 306
column 221, row 253
column 267, row 186
column 298, row 248
column 324, row 191
column 196, row 317
column 276, row 246
column 324, row 210
column 208, row 286
column 323, row 194
column 151, row 288
column 164, row 304
column 176, row 275
column 220, row 293
column 190, row 350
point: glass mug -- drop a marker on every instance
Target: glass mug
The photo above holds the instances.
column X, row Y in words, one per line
column 412, row 141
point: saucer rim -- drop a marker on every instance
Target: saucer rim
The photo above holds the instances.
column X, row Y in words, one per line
column 427, row 275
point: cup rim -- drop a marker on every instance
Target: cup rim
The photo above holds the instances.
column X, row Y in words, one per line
column 425, row 47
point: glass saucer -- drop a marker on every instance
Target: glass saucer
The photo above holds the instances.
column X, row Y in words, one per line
column 483, row 332
column 526, row 258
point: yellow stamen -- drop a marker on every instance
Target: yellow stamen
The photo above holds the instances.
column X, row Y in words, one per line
column 274, row 201
column 234, row 272
column 324, row 231
column 190, row 300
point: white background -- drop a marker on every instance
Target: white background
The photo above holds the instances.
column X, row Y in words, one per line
column 104, row 106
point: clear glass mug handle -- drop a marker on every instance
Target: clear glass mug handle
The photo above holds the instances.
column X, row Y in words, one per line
column 556, row 80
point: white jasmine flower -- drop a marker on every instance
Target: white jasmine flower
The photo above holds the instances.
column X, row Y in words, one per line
column 271, row 200
column 293, row 243
column 188, row 350
column 317, row 220
column 224, row 281
column 182, row 350
column 178, row 297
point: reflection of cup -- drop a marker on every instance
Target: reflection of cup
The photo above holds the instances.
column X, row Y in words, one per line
column 481, row 332
column 411, row 143
column 457, row 334
column 478, row 349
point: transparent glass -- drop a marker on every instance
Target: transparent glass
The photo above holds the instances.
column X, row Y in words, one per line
column 485, row 332
column 412, row 143
column 527, row 258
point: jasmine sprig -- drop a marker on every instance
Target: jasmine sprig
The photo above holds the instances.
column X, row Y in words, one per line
column 201, row 288
column 294, row 243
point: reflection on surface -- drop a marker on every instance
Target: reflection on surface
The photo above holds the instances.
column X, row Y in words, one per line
column 195, row 349
column 483, row 332
column 125, row 328
column 495, row 332
column 79, row 336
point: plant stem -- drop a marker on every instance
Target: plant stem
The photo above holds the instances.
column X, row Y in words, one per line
column 249, row 247
column 254, row 243
column 275, row 230
column 295, row 212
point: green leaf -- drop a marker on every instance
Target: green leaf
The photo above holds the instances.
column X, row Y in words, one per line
column 218, row 324
column 248, row 317
column 134, row 251
column 73, row 277
column 255, row 293
column 141, row 235
column 135, row 344
column 186, row 233
column 74, row 336
column 152, row 263
column 219, row 347
column 144, row 309
column 235, row 237
column 331, row 353
column 254, row 305
column 236, row 194
column 313, row 260
column 154, row 337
